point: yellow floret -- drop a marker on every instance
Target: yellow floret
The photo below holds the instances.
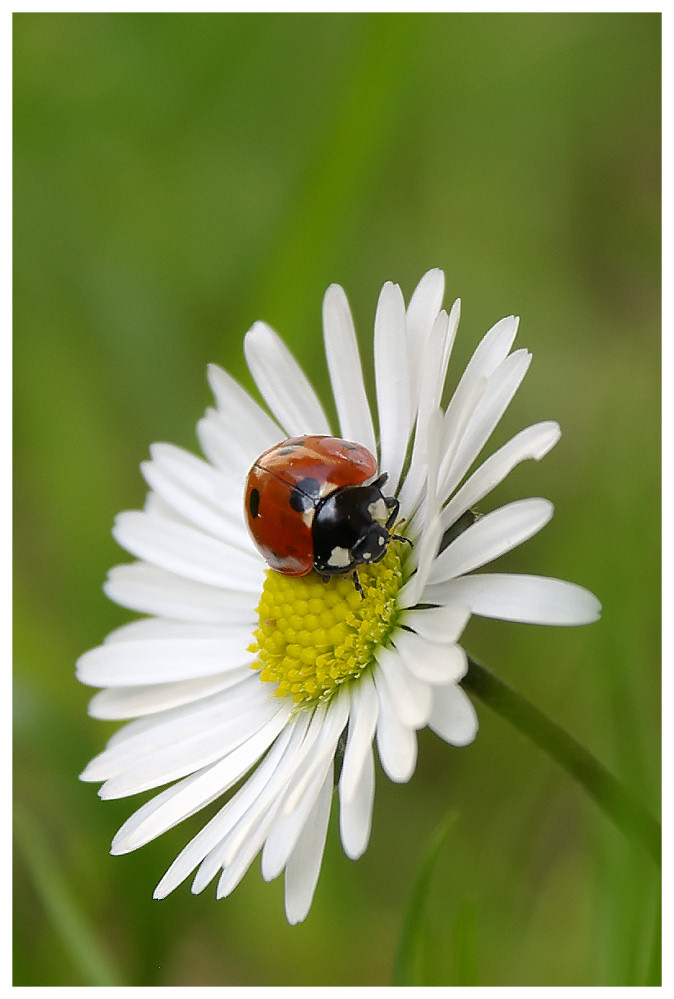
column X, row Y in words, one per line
column 314, row 636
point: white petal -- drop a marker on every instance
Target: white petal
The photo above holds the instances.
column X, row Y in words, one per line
column 288, row 823
column 120, row 703
column 169, row 481
column 424, row 306
column 346, row 374
column 457, row 418
column 267, row 806
column 199, row 477
column 266, row 803
column 241, row 413
column 283, row 384
column 362, row 724
column 426, row 301
column 453, row 717
column 411, row 698
column 441, row 625
column 233, row 872
column 396, row 743
column 489, row 409
column 392, row 379
column 489, row 354
column 285, row 830
column 304, row 864
column 129, row 664
column 188, row 796
column 355, row 811
column 424, row 554
column 149, row 739
column 434, row 361
column 191, row 751
column 490, row 536
column 164, row 628
column 165, row 811
column 528, row 599
column 336, row 717
column 150, row 590
column 187, row 551
column 230, row 452
column 492, row 349
column 534, row 442
column 211, row 837
column 424, row 527
column 429, row 661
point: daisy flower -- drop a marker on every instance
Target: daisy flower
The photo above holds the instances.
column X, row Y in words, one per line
column 258, row 690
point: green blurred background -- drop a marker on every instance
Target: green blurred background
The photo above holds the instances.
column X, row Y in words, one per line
column 178, row 176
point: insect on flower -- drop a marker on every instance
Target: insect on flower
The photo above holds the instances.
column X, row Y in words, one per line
column 309, row 505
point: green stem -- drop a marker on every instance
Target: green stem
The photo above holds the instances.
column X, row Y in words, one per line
column 621, row 806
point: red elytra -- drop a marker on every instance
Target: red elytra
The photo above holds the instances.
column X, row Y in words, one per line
column 286, row 486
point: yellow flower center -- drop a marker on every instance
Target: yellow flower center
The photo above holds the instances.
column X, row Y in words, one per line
column 313, row 636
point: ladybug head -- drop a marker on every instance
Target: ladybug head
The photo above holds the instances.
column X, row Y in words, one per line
column 352, row 527
column 372, row 544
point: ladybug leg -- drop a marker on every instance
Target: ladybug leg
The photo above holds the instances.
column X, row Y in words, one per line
column 393, row 505
column 356, row 582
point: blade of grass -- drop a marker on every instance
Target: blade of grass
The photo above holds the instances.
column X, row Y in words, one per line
column 615, row 800
column 60, row 904
column 410, row 953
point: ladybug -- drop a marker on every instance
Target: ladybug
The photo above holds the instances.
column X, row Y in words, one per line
column 310, row 503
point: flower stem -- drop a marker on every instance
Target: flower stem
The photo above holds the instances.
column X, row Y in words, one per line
column 621, row 806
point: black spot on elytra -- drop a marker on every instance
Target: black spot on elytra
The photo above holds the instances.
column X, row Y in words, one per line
column 291, row 445
column 306, row 494
column 254, row 503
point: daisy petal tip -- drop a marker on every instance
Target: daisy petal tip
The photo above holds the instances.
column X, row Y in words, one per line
column 578, row 605
column 213, row 373
column 548, row 441
column 391, row 293
column 295, row 917
column 259, row 331
column 432, row 283
column 120, row 846
column 594, row 608
column 466, row 730
column 354, row 851
column 334, row 293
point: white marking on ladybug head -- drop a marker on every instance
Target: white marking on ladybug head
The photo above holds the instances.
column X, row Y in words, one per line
column 378, row 511
column 340, row 558
column 380, row 541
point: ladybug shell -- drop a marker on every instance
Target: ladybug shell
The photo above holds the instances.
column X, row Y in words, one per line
column 284, row 487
